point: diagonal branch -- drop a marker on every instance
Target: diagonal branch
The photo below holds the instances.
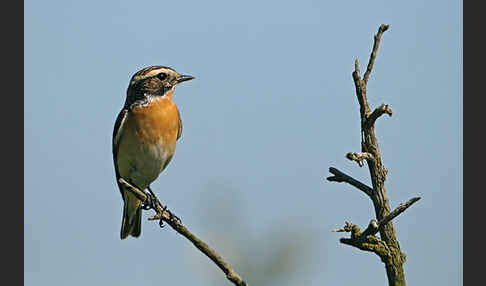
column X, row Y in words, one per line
column 341, row 177
column 374, row 227
column 376, row 44
column 163, row 214
column 400, row 209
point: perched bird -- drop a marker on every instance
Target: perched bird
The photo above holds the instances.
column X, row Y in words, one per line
column 144, row 137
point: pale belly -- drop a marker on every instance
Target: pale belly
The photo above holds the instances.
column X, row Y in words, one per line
column 140, row 162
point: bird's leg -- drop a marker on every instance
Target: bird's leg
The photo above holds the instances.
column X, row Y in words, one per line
column 153, row 199
column 148, row 203
column 156, row 201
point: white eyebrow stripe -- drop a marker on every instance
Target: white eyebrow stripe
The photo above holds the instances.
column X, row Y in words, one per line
column 152, row 73
column 149, row 74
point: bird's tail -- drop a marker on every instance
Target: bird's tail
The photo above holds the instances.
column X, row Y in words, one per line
column 132, row 216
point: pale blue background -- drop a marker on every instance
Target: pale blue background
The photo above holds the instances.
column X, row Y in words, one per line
column 273, row 107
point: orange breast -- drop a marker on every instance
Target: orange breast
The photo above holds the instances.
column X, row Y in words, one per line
column 156, row 122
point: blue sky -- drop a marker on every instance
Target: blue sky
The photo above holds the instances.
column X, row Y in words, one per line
column 273, row 107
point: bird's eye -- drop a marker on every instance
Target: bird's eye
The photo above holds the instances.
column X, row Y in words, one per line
column 162, row 76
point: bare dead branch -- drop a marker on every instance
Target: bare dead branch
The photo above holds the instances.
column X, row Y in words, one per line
column 379, row 111
column 356, row 69
column 400, row 209
column 374, row 227
column 376, row 44
column 387, row 246
column 341, row 177
column 140, row 195
column 359, row 157
column 164, row 214
column 360, row 94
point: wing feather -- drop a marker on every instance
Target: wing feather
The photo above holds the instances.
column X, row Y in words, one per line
column 117, row 131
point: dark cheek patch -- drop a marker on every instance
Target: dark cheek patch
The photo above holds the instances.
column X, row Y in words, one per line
column 154, row 86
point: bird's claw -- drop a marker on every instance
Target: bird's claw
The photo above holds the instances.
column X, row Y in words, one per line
column 147, row 204
column 150, row 202
column 161, row 222
column 172, row 217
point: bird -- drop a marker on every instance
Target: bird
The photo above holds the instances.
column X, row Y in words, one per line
column 144, row 137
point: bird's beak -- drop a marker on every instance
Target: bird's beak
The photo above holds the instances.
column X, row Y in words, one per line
column 184, row 77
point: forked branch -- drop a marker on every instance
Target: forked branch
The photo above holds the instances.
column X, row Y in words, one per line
column 387, row 246
column 163, row 214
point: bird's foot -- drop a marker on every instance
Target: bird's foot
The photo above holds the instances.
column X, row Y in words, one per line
column 161, row 222
column 150, row 202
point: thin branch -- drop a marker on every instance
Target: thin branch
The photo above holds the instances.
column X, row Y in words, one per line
column 356, row 73
column 379, row 111
column 359, row 157
column 374, row 227
column 140, row 195
column 163, row 214
column 400, row 209
column 376, row 44
column 341, row 177
column 356, row 69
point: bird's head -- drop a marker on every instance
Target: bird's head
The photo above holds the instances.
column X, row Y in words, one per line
column 154, row 81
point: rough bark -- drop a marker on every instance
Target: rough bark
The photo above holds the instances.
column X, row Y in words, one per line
column 387, row 246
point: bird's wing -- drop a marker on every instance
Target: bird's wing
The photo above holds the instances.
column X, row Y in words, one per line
column 179, row 132
column 117, row 131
